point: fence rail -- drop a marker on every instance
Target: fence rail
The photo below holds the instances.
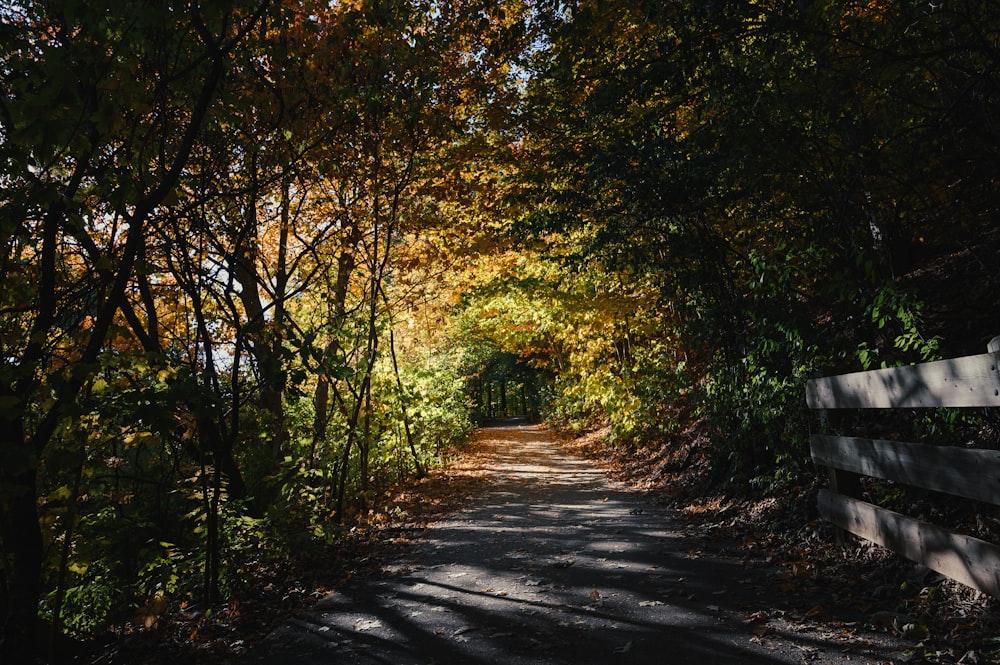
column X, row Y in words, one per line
column 972, row 381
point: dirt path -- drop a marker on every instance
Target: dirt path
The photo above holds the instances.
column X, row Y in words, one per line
column 556, row 564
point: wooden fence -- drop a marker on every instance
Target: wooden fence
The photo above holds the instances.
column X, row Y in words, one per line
column 972, row 381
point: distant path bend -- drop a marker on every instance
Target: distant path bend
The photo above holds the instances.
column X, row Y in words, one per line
column 554, row 564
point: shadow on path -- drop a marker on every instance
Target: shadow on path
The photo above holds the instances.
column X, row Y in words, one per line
column 555, row 564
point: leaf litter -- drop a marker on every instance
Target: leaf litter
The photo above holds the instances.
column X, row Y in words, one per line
column 805, row 581
column 279, row 590
column 803, row 578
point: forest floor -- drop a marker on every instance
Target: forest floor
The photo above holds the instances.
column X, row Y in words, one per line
column 529, row 547
column 555, row 562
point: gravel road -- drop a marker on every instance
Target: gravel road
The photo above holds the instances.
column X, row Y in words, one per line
column 556, row 563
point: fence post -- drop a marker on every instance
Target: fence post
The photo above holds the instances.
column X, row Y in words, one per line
column 840, row 481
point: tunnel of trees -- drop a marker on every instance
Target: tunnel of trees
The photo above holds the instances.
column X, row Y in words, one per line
column 506, row 388
column 261, row 260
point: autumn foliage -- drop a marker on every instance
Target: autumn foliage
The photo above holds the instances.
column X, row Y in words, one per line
column 262, row 261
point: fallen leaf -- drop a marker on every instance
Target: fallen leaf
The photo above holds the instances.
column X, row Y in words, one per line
column 650, row 603
column 913, row 631
column 815, row 611
column 367, row 624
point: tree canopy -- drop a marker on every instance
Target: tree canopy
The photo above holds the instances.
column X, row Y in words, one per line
column 263, row 260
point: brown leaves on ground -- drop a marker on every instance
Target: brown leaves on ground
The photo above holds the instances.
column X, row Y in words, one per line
column 282, row 589
column 802, row 578
column 799, row 579
column 442, row 490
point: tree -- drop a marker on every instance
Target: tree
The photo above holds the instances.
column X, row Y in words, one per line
column 83, row 172
column 766, row 166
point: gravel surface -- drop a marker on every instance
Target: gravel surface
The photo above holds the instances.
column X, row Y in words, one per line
column 555, row 563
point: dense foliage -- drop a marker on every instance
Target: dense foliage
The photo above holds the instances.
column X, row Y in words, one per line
column 750, row 184
column 222, row 230
column 262, row 260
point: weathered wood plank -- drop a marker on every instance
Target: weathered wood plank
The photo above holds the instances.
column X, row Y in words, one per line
column 848, row 484
column 960, row 382
column 973, row 562
column 970, row 473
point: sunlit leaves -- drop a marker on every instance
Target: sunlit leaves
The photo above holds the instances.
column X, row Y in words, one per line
column 762, row 166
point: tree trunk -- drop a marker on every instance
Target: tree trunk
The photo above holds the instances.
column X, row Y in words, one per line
column 338, row 305
column 402, row 405
column 365, row 446
column 265, row 341
column 321, row 418
column 22, row 548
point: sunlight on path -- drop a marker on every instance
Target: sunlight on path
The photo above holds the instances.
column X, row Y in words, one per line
column 553, row 564
column 527, row 454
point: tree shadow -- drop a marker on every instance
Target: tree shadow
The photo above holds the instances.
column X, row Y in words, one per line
column 552, row 567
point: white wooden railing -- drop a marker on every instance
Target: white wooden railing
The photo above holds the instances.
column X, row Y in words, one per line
column 972, row 381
